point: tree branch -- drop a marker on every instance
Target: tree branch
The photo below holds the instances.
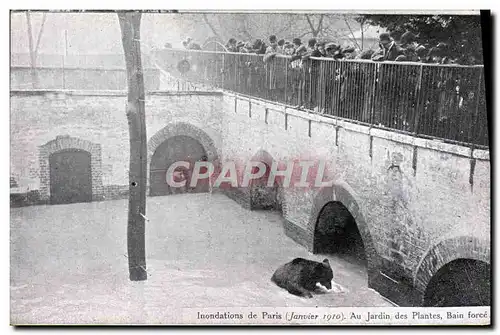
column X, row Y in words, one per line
column 311, row 25
column 44, row 17
column 205, row 18
column 320, row 25
column 352, row 33
column 34, row 77
column 30, row 39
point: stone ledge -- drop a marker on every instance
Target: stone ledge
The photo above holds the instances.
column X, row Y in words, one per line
column 442, row 146
column 481, row 154
column 393, row 136
column 120, row 93
column 389, row 134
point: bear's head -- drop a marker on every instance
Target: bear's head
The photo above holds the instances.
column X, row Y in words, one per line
column 323, row 274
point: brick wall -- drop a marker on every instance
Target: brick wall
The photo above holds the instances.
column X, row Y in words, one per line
column 414, row 200
column 38, row 118
column 408, row 195
column 63, row 142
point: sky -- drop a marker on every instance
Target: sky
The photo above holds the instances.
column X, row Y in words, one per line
column 88, row 33
column 91, row 33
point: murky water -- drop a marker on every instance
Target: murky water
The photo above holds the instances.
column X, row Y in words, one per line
column 68, row 262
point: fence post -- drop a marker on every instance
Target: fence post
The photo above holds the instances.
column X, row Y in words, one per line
column 64, row 72
column 310, row 89
column 286, row 80
column 373, row 94
column 476, row 124
column 416, row 120
column 223, row 70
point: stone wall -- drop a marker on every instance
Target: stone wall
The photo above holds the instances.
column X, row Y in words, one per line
column 99, row 117
column 418, row 203
column 410, row 196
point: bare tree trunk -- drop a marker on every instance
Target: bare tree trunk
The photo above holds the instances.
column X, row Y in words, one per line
column 315, row 31
column 34, row 49
column 352, row 33
column 34, row 81
column 362, row 25
column 130, row 23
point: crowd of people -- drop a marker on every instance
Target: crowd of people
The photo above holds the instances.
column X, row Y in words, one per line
column 445, row 97
column 407, row 49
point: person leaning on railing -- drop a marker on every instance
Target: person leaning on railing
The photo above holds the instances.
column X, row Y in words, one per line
column 281, row 46
column 259, row 47
column 247, row 48
column 389, row 50
column 311, row 69
column 189, row 44
column 296, row 74
column 275, row 79
column 333, row 50
column 231, row 45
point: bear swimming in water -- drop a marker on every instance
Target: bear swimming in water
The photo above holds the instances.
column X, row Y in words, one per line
column 299, row 277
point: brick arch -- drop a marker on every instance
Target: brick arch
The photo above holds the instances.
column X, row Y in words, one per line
column 343, row 193
column 264, row 157
column 186, row 129
column 446, row 251
column 65, row 142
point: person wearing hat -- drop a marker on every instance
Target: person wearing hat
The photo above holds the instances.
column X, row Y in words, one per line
column 333, row 50
column 300, row 49
column 281, row 46
column 421, row 52
column 231, row 45
column 246, row 48
column 259, row 47
column 240, row 45
column 409, row 45
column 367, row 54
column 273, row 45
column 311, row 44
column 320, row 50
column 185, row 43
column 389, row 51
column 288, row 49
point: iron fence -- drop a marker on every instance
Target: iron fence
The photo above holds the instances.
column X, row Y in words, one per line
column 437, row 101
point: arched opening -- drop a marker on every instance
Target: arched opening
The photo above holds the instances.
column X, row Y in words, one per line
column 462, row 282
column 175, row 149
column 336, row 232
column 262, row 196
column 70, row 176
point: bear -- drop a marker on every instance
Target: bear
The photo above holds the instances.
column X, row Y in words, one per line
column 299, row 277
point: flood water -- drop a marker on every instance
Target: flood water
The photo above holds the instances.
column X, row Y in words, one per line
column 69, row 265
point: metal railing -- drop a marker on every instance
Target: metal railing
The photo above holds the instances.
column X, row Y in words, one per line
column 438, row 101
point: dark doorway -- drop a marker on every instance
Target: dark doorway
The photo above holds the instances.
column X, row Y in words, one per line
column 462, row 282
column 70, row 177
column 262, row 196
column 176, row 149
column 337, row 233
